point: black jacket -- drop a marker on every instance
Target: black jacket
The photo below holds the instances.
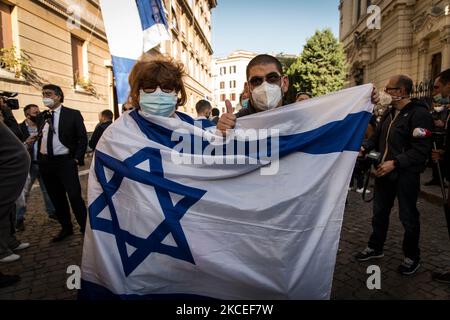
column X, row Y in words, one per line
column 99, row 129
column 11, row 123
column 410, row 152
column 14, row 167
column 71, row 132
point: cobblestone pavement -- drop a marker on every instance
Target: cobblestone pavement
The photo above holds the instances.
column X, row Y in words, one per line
column 43, row 266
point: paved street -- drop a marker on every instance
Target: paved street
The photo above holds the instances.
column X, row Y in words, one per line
column 43, row 266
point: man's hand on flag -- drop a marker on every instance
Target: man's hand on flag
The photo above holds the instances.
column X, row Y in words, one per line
column 228, row 120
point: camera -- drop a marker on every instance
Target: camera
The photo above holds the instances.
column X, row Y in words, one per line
column 374, row 157
column 7, row 97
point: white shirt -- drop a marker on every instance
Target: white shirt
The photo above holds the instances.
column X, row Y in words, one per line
column 58, row 148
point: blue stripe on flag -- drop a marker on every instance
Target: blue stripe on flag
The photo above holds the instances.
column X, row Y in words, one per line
column 337, row 136
column 151, row 13
column 92, row 291
column 122, row 68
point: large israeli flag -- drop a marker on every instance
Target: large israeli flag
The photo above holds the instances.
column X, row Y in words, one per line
column 132, row 27
column 163, row 228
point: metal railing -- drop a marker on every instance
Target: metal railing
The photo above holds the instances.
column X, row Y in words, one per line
column 424, row 91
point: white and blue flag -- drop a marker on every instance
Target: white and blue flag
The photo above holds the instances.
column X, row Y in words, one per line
column 159, row 228
column 132, row 27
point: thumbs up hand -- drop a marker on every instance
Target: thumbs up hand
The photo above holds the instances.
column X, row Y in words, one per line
column 228, row 120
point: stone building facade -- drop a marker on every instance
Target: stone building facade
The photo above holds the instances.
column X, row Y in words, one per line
column 404, row 36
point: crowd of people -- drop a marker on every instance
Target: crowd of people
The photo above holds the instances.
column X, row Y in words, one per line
column 49, row 146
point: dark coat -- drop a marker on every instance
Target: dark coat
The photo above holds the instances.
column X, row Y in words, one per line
column 412, row 153
column 98, row 132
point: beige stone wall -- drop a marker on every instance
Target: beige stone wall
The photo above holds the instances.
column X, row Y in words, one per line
column 409, row 37
column 42, row 32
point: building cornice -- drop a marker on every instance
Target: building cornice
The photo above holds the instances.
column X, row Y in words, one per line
column 61, row 10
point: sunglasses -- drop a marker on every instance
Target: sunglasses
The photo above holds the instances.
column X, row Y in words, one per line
column 272, row 78
column 167, row 88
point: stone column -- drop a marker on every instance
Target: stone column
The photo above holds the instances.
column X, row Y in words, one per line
column 423, row 60
column 445, row 41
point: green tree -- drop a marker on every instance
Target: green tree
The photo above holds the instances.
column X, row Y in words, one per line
column 321, row 67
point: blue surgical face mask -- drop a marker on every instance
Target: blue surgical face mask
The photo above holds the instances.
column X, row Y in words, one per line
column 158, row 103
column 245, row 103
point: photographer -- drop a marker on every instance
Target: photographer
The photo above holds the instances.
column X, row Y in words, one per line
column 31, row 132
column 403, row 140
column 6, row 106
column 440, row 115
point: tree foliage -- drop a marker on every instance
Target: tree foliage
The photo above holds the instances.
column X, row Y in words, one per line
column 321, row 67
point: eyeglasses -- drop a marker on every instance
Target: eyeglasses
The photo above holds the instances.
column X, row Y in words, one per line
column 167, row 88
column 272, row 78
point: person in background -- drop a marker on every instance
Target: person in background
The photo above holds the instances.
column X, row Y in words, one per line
column 62, row 148
column 404, row 151
column 127, row 106
column 105, row 119
column 442, row 97
column 29, row 131
column 203, row 108
column 244, row 99
column 215, row 113
column 302, row 96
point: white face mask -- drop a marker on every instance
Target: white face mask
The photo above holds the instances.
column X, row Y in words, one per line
column 48, row 102
column 267, row 96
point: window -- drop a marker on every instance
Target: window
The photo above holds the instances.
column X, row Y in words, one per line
column 233, row 69
column 233, row 84
column 222, row 85
column 77, row 59
column 223, row 71
column 233, row 97
column 222, row 97
column 174, row 20
column 358, row 10
column 5, row 26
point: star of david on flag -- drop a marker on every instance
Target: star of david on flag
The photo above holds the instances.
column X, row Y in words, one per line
column 172, row 213
column 159, row 228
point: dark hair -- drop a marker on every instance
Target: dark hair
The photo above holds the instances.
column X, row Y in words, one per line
column 444, row 77
column 202, row 105
column 215, row 112
column 406, row 83
column 264, row 59
column 58, row 91
column 107, row 114
column 303, row 93
column 28, row 107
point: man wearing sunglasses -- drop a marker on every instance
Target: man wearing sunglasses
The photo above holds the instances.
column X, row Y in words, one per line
column 267, row 86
